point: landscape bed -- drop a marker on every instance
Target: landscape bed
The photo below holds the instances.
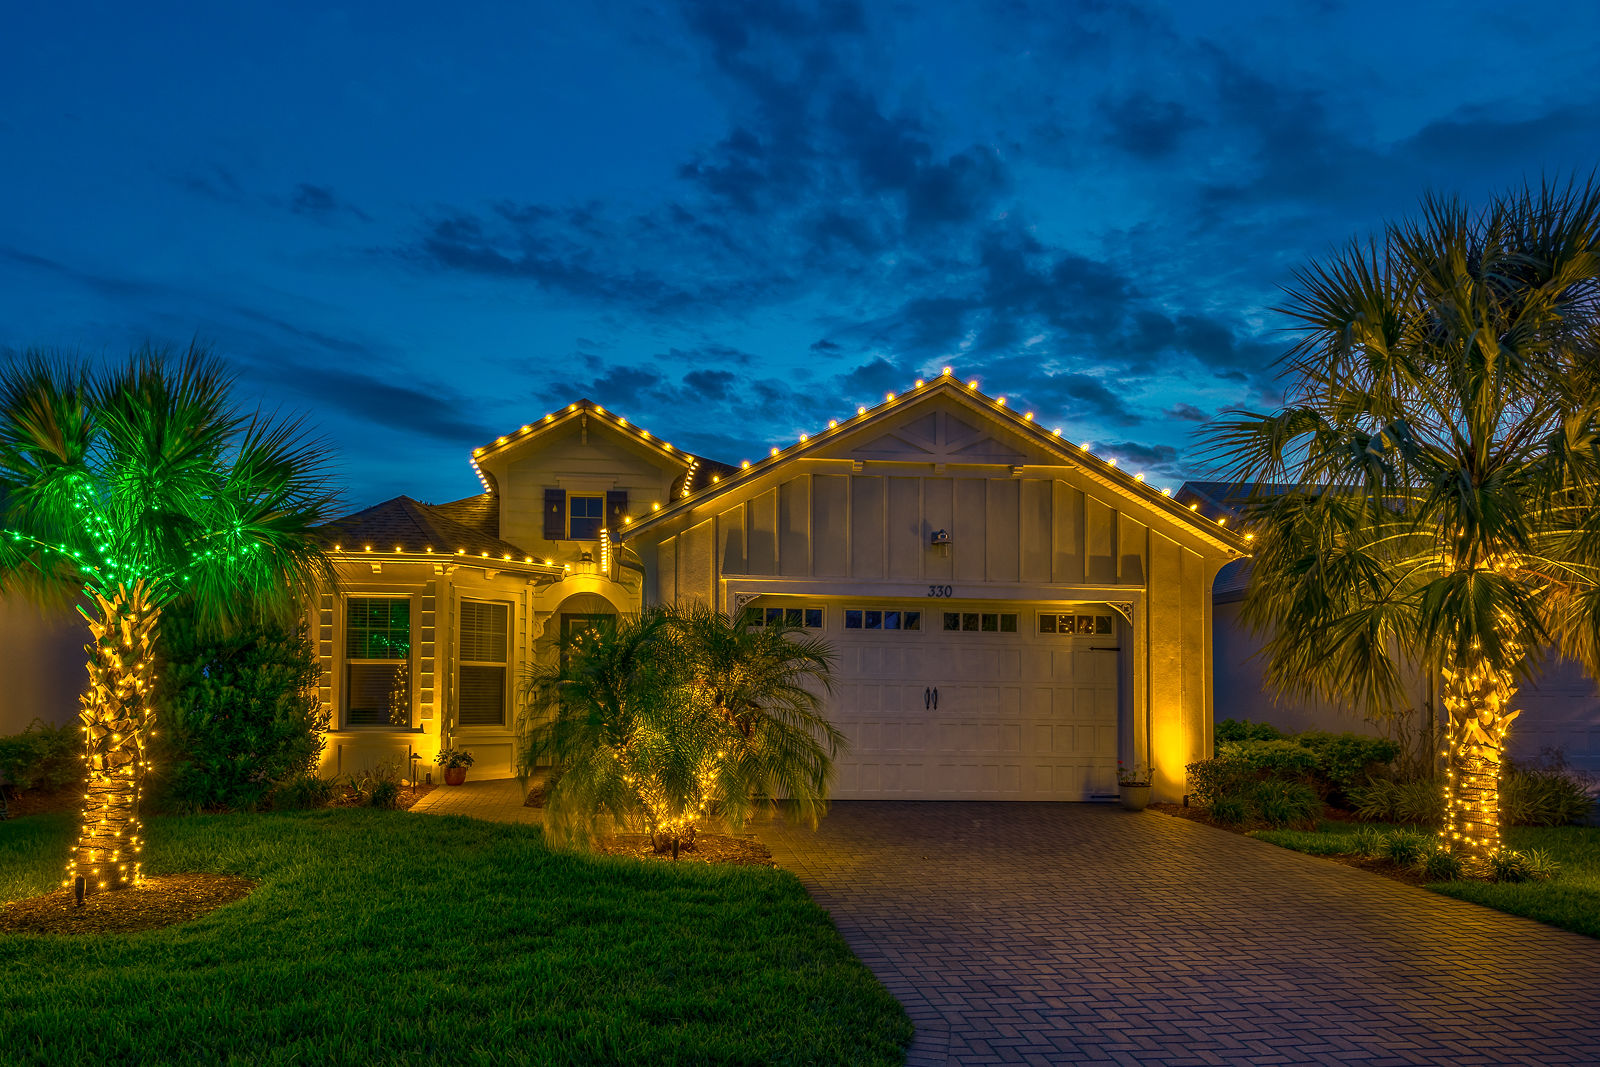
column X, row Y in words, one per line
column 380, row 936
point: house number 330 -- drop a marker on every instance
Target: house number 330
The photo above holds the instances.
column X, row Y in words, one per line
column 941, row 591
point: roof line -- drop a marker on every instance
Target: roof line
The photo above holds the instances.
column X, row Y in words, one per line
column 1105, row 470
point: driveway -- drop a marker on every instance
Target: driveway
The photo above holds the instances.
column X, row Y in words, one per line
column 1058, row 933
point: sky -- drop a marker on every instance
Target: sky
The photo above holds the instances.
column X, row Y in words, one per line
column 419, row 226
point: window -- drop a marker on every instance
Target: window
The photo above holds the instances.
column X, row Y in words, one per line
column 586, row 514
column 875, row 619
column 1055, row 623
column 377, row 649
column 481, row 688
column 806, row 618
column 989, row 622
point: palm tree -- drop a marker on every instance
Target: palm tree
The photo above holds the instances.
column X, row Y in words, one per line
column 124, row 490
column 1438, row 470
column 678, row 715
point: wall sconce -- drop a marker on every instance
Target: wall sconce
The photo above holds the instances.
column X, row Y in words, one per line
column 941, row 541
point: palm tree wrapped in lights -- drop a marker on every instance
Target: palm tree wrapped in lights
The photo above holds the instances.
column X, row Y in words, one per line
column 123, row 491
column 1435, row 474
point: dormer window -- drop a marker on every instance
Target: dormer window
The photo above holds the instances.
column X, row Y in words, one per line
column 586, row 515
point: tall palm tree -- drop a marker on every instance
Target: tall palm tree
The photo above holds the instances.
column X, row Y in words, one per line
column 1437, row 470
column 123, row 490
column 675, row 716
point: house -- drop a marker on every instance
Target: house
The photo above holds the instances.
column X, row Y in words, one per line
column 1011, row 614
column 1560, row 704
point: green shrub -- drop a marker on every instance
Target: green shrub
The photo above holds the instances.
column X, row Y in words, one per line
column 1211, row 779
column 1508, row 865
column 384, row 794
column 1539, row 865
column 237, row 712
column 377, row 786
column 1442, row 865
column 1283, row 804
column 1420, row 802
column 1404, row 848
column 1368, row 841
column 42, row 756
column 1346, row 759
column 303, row 792
column 1244, row 730
column 1536, row 797
column 1232, row 809
column 1283, row 758
column 1374, row 801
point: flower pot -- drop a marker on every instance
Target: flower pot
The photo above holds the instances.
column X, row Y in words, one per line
column 1134, row 797
column 457, row 775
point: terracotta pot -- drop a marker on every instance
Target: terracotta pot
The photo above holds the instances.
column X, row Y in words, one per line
column 457, row 775
column 1135, row 797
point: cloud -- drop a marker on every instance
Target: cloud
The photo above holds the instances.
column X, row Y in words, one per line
column 323, row 204
column 1187, row 413
column 1144, row 126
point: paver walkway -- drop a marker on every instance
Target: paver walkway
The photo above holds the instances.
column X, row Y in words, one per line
column 1061, row 933
column 498, row 800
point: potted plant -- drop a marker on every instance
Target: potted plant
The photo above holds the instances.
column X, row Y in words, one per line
column 455, row 762
column 1134, row 785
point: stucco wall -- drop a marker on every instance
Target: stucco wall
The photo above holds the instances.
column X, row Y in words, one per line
column 42, row 669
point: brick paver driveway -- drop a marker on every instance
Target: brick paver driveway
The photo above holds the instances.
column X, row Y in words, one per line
column 1056, row 933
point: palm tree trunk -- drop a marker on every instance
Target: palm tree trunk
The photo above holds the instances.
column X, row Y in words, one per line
column 117, row 722
column 1475, row 698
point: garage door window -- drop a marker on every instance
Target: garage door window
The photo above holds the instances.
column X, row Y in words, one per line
column 802, row 616
column 992, row 622
column 875, row 619
column 1054, row 623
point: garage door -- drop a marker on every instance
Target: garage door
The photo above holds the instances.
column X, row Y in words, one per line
column 968, row 701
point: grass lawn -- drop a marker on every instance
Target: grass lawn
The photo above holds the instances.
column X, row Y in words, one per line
column 389, row 937
column 1571, row 900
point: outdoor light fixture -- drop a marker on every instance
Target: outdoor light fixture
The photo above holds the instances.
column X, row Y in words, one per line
column 940, row 539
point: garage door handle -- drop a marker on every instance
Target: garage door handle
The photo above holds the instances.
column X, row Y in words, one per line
column 935, row 698
column 927, row 698
column 1105, row 648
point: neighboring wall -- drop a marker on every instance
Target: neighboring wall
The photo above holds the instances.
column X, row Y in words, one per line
column 42, row 670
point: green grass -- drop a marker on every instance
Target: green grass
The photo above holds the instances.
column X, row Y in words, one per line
column 1571, row 900
column 388, row 937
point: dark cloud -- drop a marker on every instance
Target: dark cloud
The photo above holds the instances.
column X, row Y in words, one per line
column 1156, row 460
column 711, row 384
column 432, row 411
column 1145, row 127
column 1187, row 413
column 323, row 204
column 107, row 285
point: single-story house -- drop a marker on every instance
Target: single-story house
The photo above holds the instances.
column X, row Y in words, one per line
column 1560, row 704
column 1011, row 613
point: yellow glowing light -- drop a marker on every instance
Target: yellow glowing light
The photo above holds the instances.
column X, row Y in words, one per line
column 499, row 440
column 972, row 384
column 549, row 418
column 1249, row 537
column 1111, row 461
column 919, row 383
column 525, row 429
column 832, row 423
column 549, row 563
column 572, row 407
column 804, row 438
column 888, row 396
column 655, row 506
column 600, row 409
column 945, row 371
column 1056, row 432
column 1194, row 507
column 774, row 450
column 744, row 464
column 1139, row 477
column 862, row 410
column 1028, row 415
column 716, row 477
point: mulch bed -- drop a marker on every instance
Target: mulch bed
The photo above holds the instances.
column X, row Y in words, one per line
column 1388, row 870
column 165, row 900
column 409, row 795
column 708, row 848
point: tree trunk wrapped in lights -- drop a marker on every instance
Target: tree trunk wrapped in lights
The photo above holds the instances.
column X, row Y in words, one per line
column 1476, row 697
column 117, row 725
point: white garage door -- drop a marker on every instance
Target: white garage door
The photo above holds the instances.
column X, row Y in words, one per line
column 975, row 702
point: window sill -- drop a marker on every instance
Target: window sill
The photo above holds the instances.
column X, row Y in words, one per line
column 375, row 729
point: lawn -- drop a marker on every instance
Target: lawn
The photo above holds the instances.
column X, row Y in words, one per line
column 1571, row 900
column 389, row 937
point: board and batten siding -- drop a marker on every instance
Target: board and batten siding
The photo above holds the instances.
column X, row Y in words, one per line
column 878, row 527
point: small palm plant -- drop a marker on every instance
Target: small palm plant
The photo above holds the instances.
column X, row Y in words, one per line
column 1434, row 496
column 675, row 716
column 123, row 491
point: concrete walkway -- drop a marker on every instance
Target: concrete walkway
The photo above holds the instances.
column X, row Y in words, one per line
column 1063, row 933
column 497, row 800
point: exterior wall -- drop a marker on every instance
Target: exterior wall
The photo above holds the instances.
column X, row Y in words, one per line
column 42, row 672
column 583, row 456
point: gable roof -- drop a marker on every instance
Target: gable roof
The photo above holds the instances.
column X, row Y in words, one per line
column 1103, row 471
column 697, row 472
column 404, row 526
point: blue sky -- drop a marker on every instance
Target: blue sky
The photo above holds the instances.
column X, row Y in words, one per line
column 423, row 225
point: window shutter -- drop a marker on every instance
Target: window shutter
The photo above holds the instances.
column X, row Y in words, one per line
column 555, row 514
column 616, row 507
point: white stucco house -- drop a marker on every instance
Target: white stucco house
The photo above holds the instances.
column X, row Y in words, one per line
column 1011, row 614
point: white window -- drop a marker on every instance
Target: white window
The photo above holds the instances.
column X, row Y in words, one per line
column 803, row 615
column 377, row 650
column 585, row 516
column 482, row 671
column 885, row 619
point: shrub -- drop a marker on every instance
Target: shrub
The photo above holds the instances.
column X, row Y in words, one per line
column 42, row 756
column 1283, row 804
column 1539, row 865
column 303, row 792
column 1210, row 779
column 377, row 786
column 1284, row 758
column 384, row 795
column 1420, row 802
column 1374, row 801
column 1345, row 759
column 1244, row 730
column 1442, row 865
column 1230, row 810
column 1508, row 866
column 237, row 711
column 1368, row 841
column 1536, row 797
column 1404, row 848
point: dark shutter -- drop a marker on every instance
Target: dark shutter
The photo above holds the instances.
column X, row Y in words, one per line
column 555, row 514
column 616, row 507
